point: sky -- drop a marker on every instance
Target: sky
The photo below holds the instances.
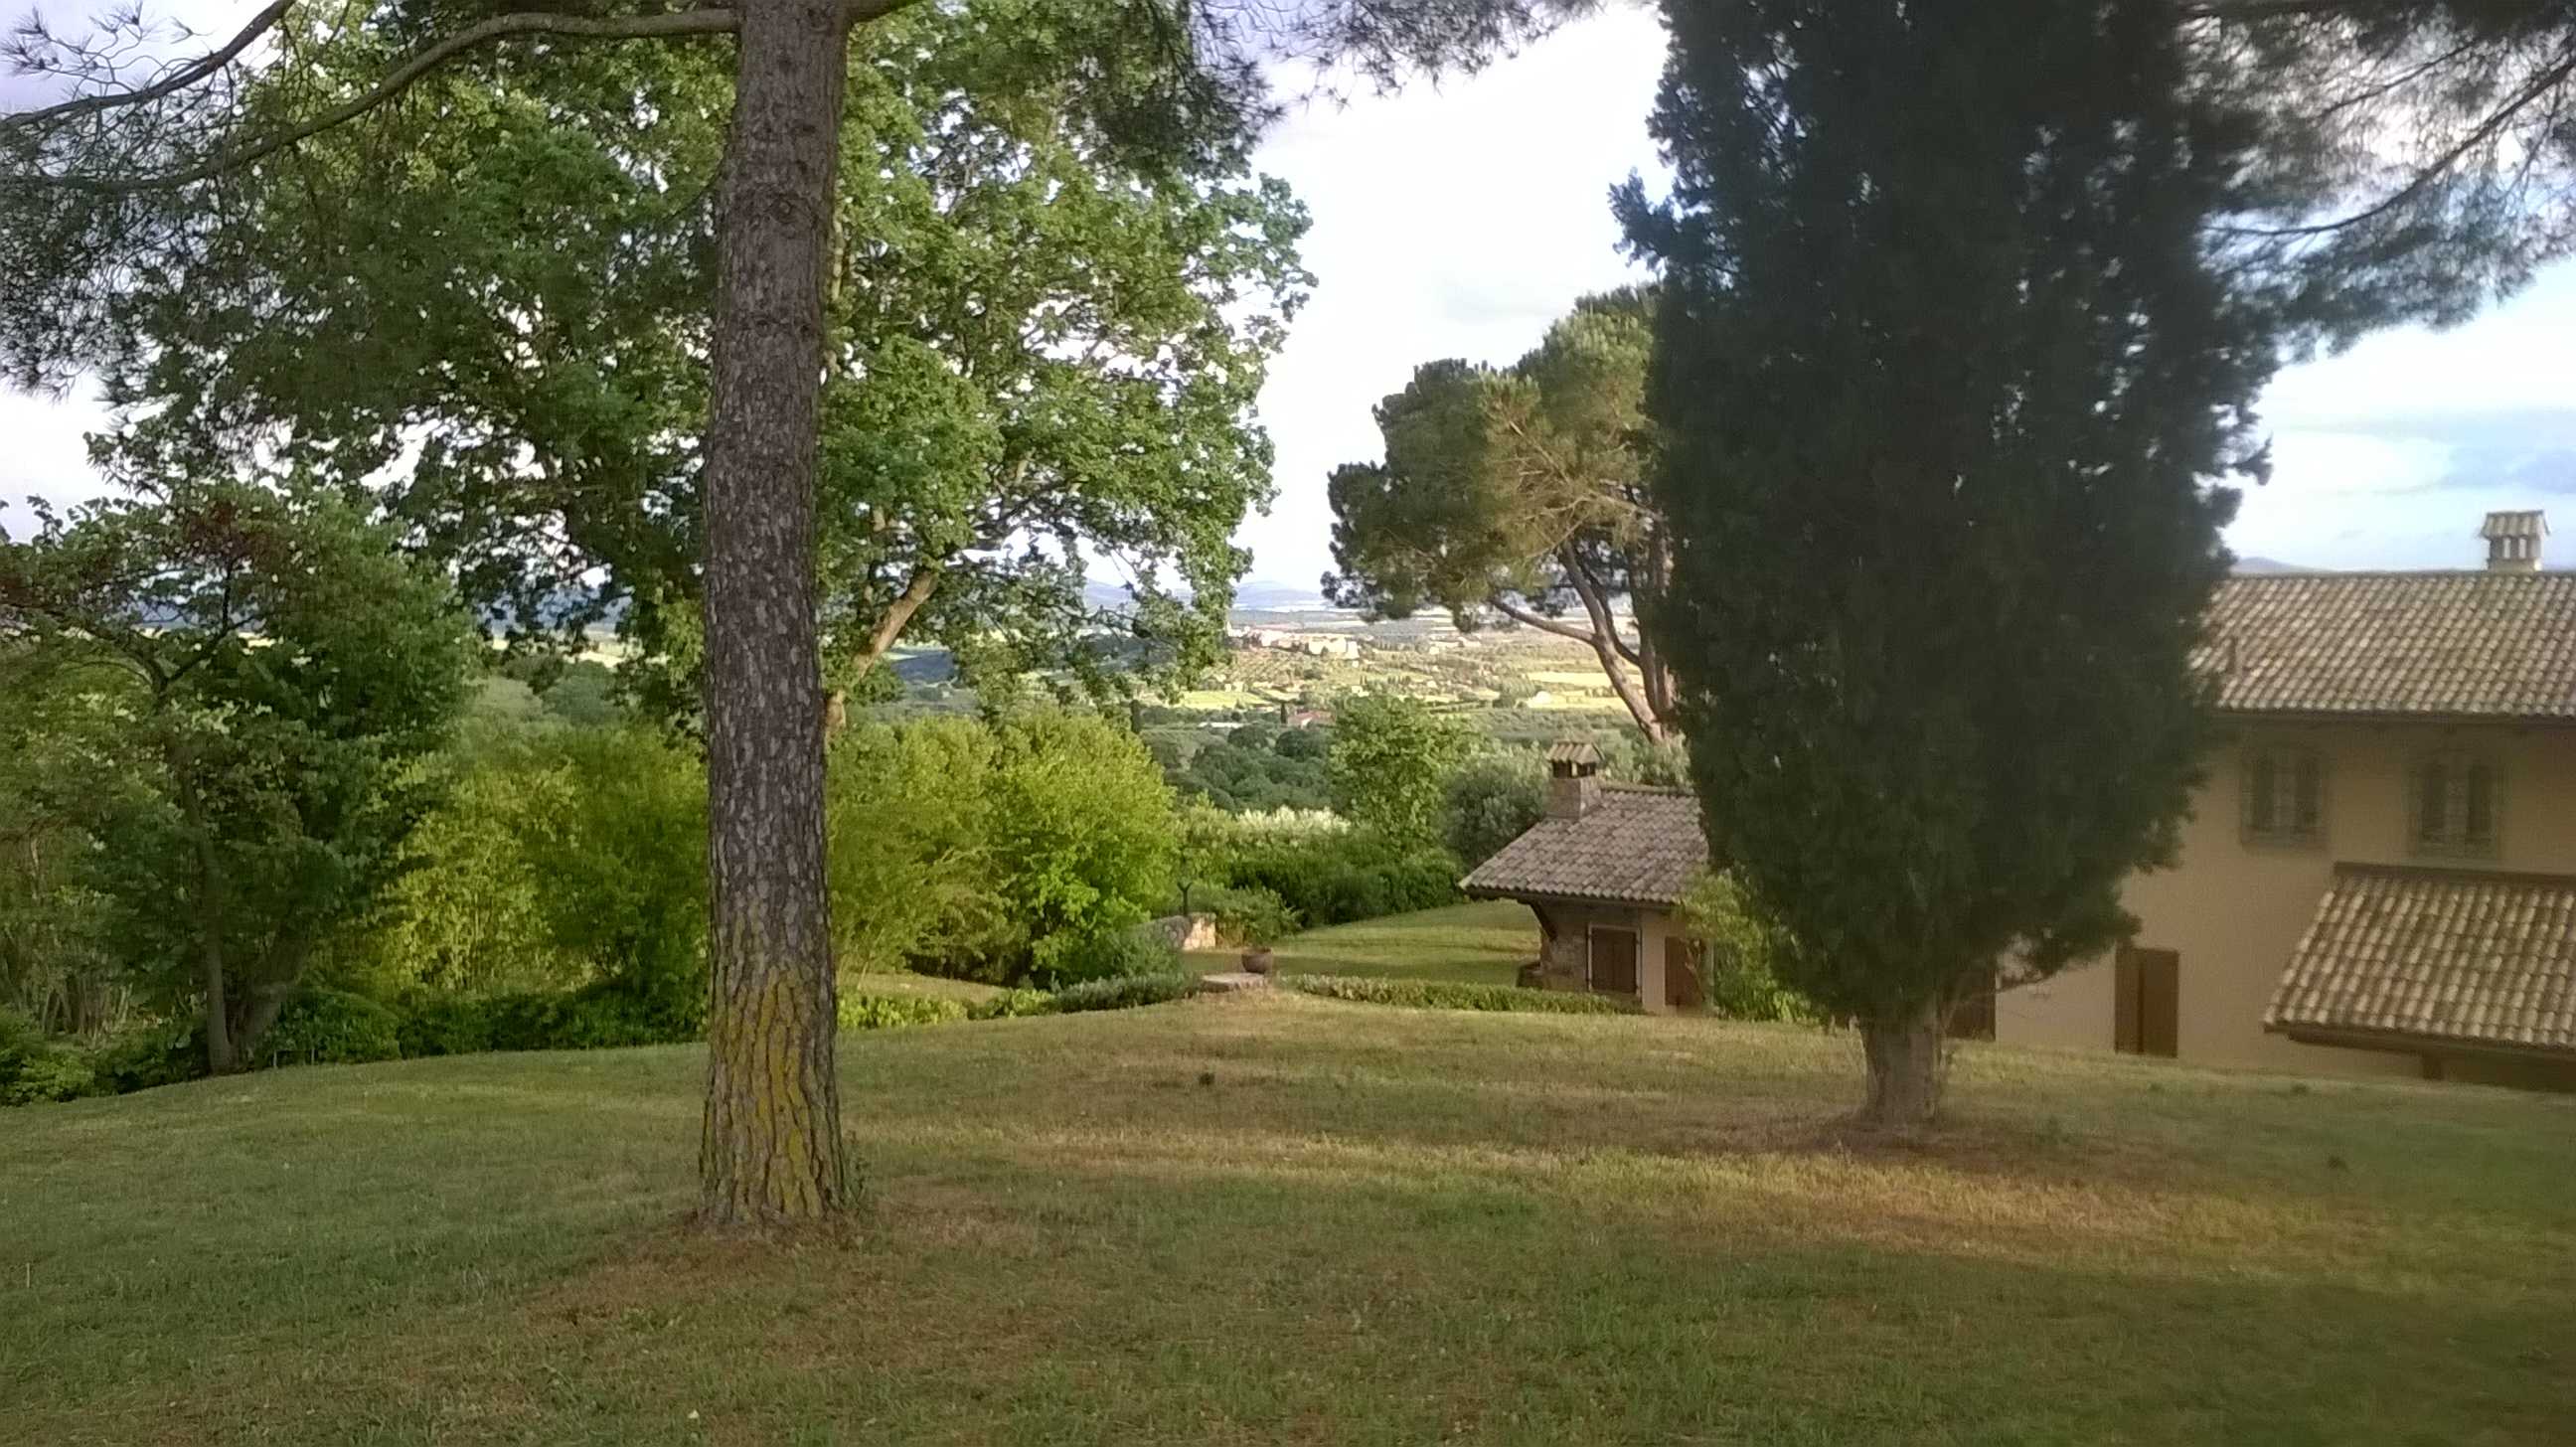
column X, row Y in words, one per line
column 1459, row 219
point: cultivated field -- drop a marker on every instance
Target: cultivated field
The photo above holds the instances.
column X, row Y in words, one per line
column 1281, row 1219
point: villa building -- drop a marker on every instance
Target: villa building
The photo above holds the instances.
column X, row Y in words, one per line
column 2379, row 873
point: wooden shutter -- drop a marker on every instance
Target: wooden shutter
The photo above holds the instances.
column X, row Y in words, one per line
column 1614, row 960
column 1682, row 988
column 2146, row 1010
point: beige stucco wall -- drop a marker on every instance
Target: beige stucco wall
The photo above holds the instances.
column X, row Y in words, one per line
column 1574, row 922
column 2233, row 911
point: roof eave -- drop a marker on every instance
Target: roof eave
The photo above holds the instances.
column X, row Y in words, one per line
column 2360, row 716
column 2408, row 1042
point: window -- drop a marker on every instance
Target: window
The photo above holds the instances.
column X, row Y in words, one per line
column 2452, row 805
column 2284, row 796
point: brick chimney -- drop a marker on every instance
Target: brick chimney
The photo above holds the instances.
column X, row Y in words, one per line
column 1573, row 779
column 2513, row 541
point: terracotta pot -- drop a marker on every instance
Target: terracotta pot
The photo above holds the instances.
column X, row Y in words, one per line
column 1256, row 960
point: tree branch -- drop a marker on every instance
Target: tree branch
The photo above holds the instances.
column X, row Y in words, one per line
column 1542, row 622
column 405, row 75
column 2550, row 78
column 924, row 581
column 176, row 81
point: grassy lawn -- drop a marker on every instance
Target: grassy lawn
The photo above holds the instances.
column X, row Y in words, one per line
column 1280, row 1219
column 1484, row 943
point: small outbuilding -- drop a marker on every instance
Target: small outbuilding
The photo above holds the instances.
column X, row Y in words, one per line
column 1605, row 872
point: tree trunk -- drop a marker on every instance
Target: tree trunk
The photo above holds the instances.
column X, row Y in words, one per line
column 1906, row 1066
column 771, row 1154
column 221, row 1057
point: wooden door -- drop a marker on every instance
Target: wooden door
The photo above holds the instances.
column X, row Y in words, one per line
column 2146, row 1009
column 1614, row 960
column 1682, row 989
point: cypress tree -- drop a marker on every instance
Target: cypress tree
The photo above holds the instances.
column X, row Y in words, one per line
column 1946, row 379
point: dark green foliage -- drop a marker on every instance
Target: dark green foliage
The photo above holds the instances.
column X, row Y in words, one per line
column 1518, row 495
column 34, row 1068
column 1945, row 380
column 263, row 673
column 323, row 1026
column 1012, row 1003
column 1338, row 877
column 1255, row 768
column 1490, row 803
column 1449, row 995
column 561, row 860
column 597, row 1017
column 1746, row 955
column 584, row 694
column 1125, row 992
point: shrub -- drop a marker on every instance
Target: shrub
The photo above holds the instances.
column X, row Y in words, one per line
column 1119, row 954
column 994, row 851
column 892, row 1012
column 1010, row 1003
column 1443, row 995
column 150, row 1052
column 1336, row 878
column 1125, row 992
column 598, row 1017
column 1490, row 803
column 1743, row 978
column 1390, row 758
column 1247, row 916
column 33, row 1068
column 323, row 1026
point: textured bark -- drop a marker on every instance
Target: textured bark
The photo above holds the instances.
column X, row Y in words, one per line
column 771, row 1154
column 1906, row 1065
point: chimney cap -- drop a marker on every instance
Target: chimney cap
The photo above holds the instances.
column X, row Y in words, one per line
column 2515, row 525
column 1573, row 751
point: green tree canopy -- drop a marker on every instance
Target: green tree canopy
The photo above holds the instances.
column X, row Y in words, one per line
column 1044, row 345
column 1390, row 765
column 1946, row 378
column 1520, row 493
column 265, row 671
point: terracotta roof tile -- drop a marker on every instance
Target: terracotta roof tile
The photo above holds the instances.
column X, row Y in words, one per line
column 1641, row 846
column 2449, row 645
column 2438, row 955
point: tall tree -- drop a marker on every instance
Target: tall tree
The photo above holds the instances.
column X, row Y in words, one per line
column 1946, row 379
column 268, row 670
column 111, row 178
column 1036, row 333
column 1520, row 493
